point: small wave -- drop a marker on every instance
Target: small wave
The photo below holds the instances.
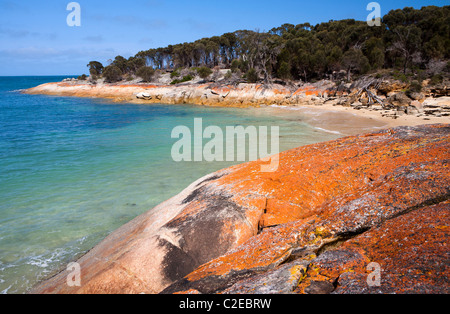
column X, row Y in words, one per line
column 49, row 260
column 39, row 262
column 328, row 131
column 44, row 261
column 6, row 290
column 287, row 107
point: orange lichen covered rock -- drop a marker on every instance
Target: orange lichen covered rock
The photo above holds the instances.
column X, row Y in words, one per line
column 278, row 212
column 242, row 95
column 347, row 187
column 411, row 251
column 312, row 226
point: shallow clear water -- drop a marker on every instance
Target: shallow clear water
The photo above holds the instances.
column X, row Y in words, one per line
column 72, row 170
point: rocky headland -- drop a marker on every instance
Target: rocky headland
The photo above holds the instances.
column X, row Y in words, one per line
column 383, row 99
column 318, row 224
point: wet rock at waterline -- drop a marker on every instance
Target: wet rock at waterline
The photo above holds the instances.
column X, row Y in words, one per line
column 315, row 225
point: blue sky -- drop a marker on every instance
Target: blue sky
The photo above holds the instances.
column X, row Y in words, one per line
column 36, row 40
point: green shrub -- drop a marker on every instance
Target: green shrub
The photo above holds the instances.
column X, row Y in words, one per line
column 174, row 74
column 252, row 76
column 415, row 87
column 436, row 79
column 239, row 65
column 146, row 73
column 228, row 75
column 400, row 76
column 186, row 78
column 204, row 72
column 235, row 65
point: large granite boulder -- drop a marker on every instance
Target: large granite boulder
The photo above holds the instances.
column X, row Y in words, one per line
column 313, row 226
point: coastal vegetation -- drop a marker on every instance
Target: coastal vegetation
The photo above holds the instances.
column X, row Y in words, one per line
column 410, row 45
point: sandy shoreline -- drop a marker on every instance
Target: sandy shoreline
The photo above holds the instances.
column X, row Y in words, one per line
column 306, row 103
column 349, row 121
column 333, row 119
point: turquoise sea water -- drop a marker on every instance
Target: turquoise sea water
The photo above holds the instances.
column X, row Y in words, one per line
column 72, row 170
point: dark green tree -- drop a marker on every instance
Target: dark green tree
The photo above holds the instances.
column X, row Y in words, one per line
column 284, row 71
column 121, row 63
column 112, row 74
column 375, row 52
column 334, row 59
column 355, row 62
column 95, row 68
column 407, row 42
column 134, row 64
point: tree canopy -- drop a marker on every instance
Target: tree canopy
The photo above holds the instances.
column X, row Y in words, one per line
column 408, row 39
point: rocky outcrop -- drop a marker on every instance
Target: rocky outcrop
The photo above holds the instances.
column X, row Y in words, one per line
column 313, row 226
column 390, row 99
column 210, row 94
column 386, row 96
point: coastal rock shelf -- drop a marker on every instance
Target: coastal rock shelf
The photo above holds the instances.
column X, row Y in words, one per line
column 242, row 95
column 383, row 96
column 316, row 225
